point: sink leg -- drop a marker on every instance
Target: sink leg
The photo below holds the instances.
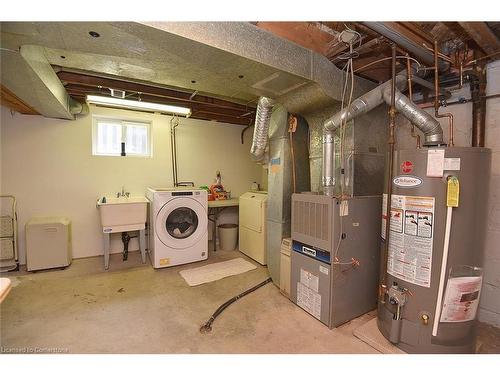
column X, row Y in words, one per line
column 142, row 244
column 106, row 250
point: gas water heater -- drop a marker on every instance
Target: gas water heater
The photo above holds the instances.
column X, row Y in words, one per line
column 431, row 274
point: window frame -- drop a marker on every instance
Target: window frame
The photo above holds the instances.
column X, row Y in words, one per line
column 123, row 123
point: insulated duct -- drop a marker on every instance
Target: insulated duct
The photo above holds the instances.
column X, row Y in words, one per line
column 29, row 75
column 261, row 129
column 422, row 120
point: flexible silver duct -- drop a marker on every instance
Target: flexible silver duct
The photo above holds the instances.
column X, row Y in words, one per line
column 261, row 129
column 422, row 120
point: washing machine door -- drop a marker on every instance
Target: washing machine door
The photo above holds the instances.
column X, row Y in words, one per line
column 181, row 222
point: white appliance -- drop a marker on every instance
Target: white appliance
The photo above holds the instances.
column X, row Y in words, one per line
column 48, row 243
column 178, row 226
column 252, row 221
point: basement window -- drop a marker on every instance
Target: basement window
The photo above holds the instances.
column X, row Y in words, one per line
column 115, row 137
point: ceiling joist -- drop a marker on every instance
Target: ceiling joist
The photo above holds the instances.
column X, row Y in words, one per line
column 482, row 35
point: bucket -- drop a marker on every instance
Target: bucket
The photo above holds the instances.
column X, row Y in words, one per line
column 228, row 236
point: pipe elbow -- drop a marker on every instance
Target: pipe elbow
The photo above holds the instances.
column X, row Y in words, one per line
column 427, row 124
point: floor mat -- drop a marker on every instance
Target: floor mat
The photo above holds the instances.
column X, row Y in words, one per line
column 216, row 271
column 370, row 334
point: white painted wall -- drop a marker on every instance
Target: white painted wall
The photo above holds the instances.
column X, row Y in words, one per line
column 490, row 299
column 48, row 165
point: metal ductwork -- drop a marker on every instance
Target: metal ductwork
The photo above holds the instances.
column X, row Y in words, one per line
column 424, row 55
column 363, row 104
column 172, row 54
column 261, row 129
column 431, row 128
column 29, row 75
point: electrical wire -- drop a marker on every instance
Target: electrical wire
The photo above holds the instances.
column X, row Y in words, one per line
column 419, row 66
column 342, row 135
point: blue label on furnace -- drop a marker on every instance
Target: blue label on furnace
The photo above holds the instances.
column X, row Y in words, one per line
column 311, row 251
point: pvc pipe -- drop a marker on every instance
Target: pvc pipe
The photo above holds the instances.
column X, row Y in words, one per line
column 446, row 246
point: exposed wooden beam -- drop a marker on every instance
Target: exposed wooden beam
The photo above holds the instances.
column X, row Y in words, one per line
column 93, row 81
column 305, row 34
column 370, row 46
column 203, row 107
column 10, row 100
column 82, row 91
column 415, row 31
column 482, row 35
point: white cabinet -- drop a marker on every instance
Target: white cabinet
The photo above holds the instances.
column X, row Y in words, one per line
column 252, row 221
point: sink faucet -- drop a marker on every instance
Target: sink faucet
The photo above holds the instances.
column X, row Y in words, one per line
column 123, row 193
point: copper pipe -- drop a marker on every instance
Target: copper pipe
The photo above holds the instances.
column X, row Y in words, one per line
column 478, row 90
column 385, row 59
column 472, row 62
column 408, row 69
column 436, row 98
column 439, row 54
column 461, row 72
column 486, row 97
column 391, row 141
column 410, row 96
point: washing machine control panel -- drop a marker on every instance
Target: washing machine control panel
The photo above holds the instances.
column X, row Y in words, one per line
column 180, row 193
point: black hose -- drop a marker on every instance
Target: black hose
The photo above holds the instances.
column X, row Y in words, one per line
column 207, row 327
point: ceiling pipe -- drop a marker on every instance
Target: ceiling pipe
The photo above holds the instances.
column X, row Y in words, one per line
column 478, row 98
column 424, row 55
column 436, row 98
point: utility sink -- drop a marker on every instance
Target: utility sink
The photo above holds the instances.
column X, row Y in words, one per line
column 122, row 214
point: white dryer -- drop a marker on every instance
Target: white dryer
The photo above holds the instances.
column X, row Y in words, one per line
column 178, row 226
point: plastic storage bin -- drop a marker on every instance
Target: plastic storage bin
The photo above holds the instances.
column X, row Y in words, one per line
column 228, row 236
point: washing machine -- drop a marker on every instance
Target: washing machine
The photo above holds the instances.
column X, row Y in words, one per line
column 178, row 226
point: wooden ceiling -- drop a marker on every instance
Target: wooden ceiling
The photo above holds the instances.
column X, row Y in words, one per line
column 79, row 85
column 454, row 38
column 10, row 100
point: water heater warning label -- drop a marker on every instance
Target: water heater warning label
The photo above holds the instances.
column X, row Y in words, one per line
column 461, row 299
column 410, row 239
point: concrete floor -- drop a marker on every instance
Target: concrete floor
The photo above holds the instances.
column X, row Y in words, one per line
column 134, row 309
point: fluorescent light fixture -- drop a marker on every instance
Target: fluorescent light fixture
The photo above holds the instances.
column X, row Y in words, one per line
column 135, row 104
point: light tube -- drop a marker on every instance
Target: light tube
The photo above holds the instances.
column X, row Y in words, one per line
column 135, row 104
